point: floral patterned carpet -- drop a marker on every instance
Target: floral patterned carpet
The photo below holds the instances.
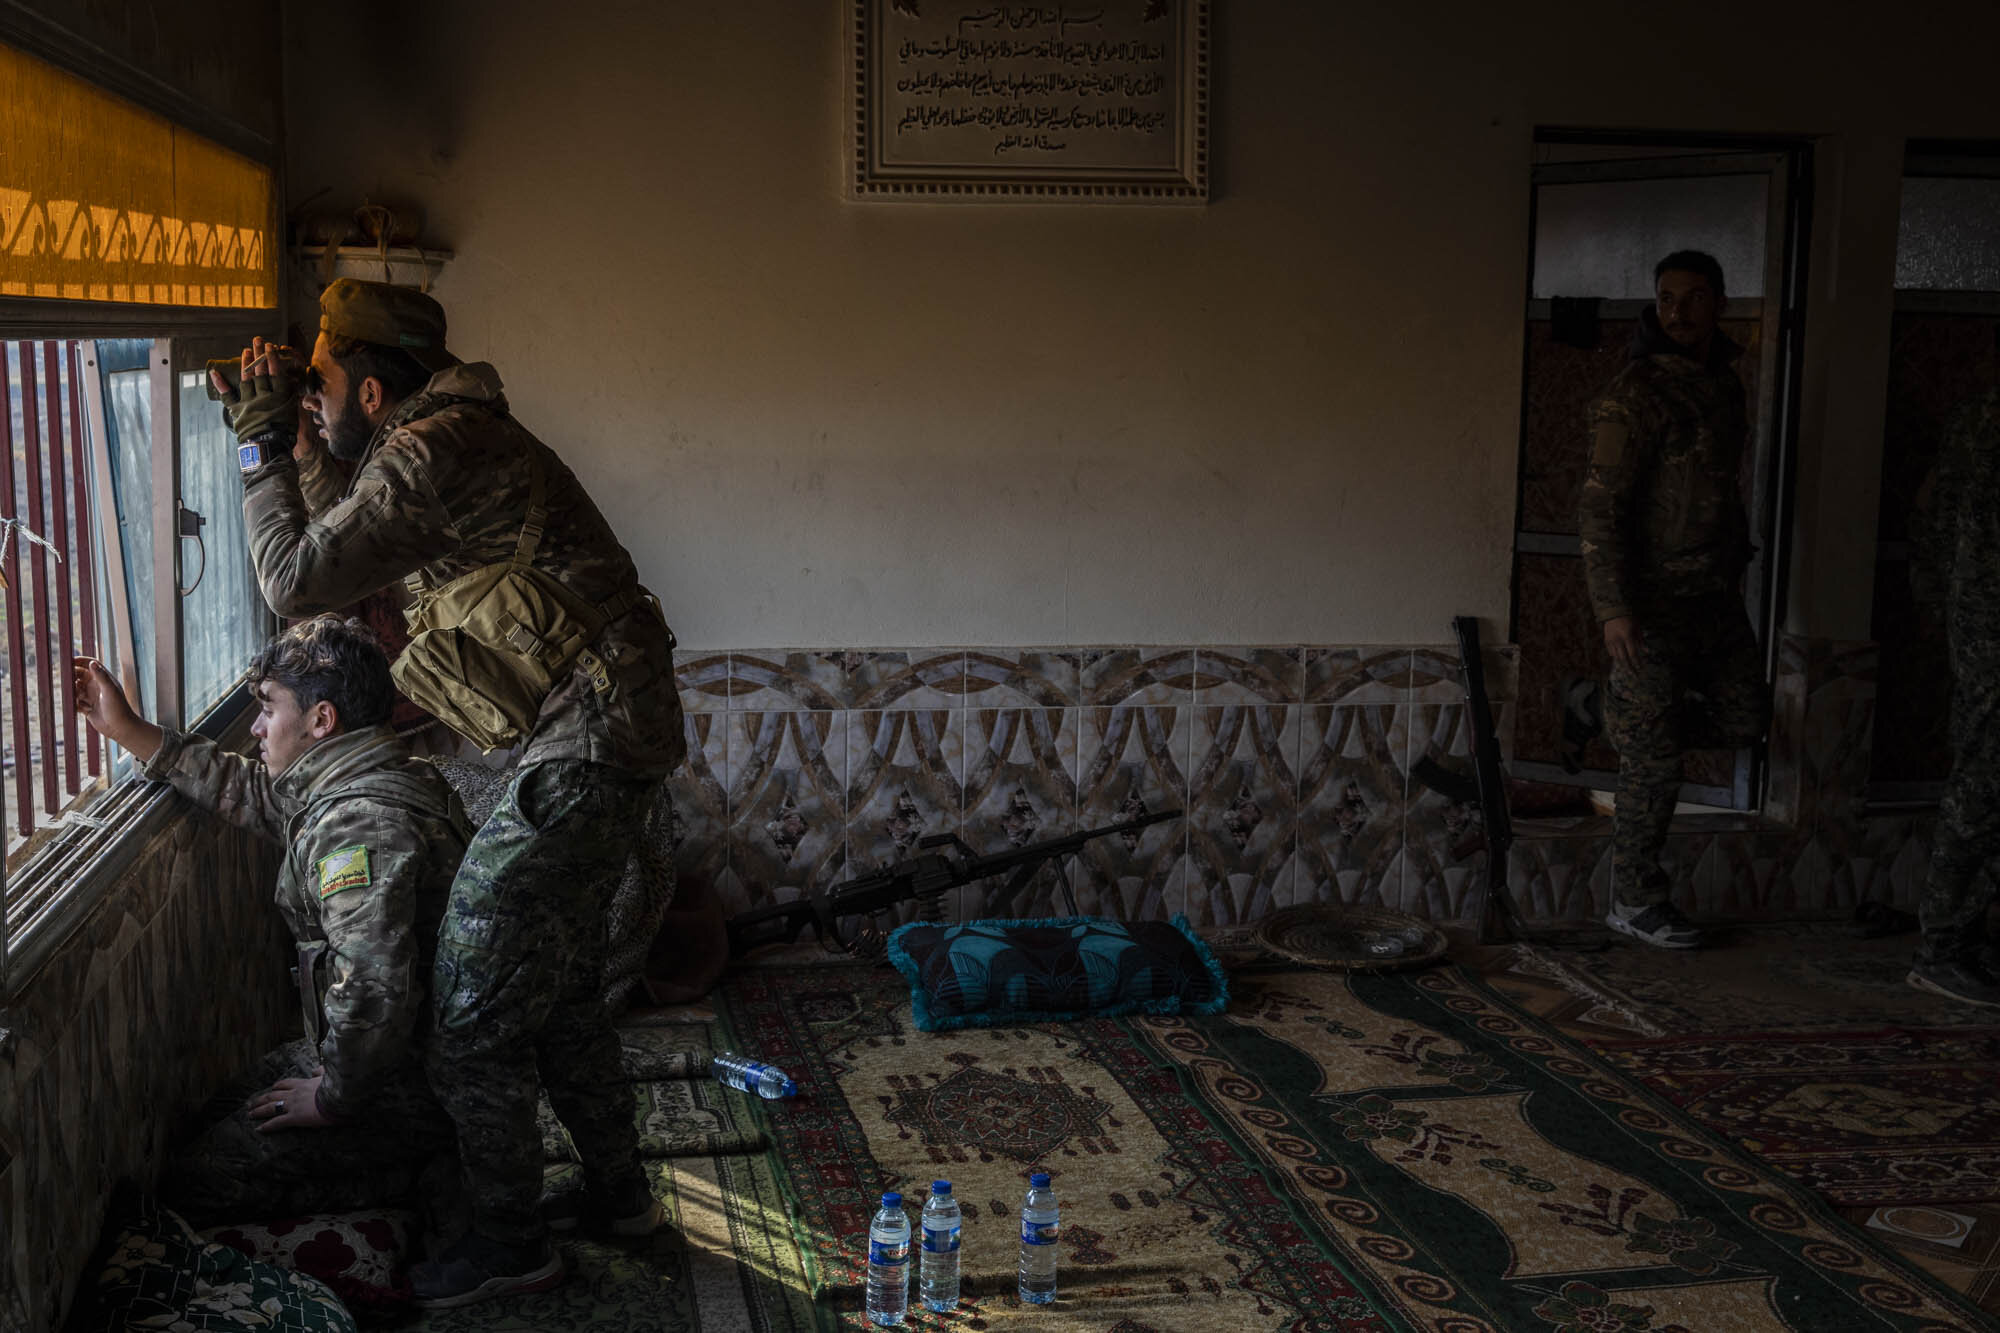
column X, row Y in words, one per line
column 1903, row 1116
column 1335, row 1153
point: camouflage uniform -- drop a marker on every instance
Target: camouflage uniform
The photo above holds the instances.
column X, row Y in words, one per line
column 1665, row 541
column 1957, row 550
column 372, row 839
column 443, row 491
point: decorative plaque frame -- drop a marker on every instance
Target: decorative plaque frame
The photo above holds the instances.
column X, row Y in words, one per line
column 1102, row 101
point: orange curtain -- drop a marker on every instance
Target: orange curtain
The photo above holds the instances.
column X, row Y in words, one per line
column 103, row 201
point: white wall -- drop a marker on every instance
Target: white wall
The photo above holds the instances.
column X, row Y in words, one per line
column 1289, row 417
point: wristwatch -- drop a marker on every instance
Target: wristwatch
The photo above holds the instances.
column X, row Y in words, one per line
column 260, row 449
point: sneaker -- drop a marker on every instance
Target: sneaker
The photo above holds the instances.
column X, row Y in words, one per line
column 1658, row 924
column 631, row 1211
column 1959, row 979
column 474, row 1268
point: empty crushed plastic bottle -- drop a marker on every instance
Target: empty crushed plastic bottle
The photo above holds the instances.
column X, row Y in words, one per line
column 937, row 1273
column 889, row 1263
column 746, row 1075
column 1040, row 1229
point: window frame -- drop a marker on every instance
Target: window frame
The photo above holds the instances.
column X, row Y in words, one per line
column 94, row 847
column 1929, row 159
column 1583, row 156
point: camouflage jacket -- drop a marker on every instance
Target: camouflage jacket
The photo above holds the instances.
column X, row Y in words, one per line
column 372, row 837
column 1661, row 513
column 1955, row 533
column 442, row 492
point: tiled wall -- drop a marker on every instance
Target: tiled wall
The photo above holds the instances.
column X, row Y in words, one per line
column 1291, row 765
column 167, row 991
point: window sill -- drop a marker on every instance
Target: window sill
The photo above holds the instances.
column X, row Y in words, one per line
column 91, row 850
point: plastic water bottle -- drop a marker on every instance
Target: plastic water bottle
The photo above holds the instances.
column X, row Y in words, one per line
column 937, row 1279
column 746, row 1075
column 889, row 1262
column 1040, row 1228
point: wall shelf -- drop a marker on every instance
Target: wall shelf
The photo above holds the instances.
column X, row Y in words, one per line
column 407, row 265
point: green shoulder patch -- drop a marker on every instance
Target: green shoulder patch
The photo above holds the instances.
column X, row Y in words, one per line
column 344, row 869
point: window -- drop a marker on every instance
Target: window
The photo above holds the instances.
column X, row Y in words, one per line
column 92, row 549
column 131, row 249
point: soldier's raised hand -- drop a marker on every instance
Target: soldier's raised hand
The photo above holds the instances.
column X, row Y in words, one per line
column 109, row 713
column 265, row 403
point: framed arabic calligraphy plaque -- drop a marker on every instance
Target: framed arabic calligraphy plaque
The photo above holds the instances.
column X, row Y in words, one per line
column 1099, row 102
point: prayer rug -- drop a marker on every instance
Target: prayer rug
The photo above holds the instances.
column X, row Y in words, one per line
column 1335, row 1153
column 1753, row 979
column 1895, row 1117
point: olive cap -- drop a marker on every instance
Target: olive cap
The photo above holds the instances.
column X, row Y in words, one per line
column 381, row 312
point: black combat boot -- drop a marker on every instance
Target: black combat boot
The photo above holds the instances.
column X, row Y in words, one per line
column 1949, row 962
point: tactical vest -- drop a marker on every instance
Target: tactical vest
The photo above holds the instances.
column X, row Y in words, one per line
column 488, row 647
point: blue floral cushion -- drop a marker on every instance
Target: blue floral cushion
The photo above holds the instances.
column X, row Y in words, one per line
column 987, row 973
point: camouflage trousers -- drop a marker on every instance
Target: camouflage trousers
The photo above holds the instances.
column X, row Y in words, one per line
column 232, row 1173
column 520, row 989
column 1699, row 686
column 1957, row 896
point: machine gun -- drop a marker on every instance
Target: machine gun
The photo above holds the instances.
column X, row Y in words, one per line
column 842, row 915
column 1492, row 906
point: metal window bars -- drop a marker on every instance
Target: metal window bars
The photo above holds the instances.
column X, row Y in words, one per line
column 48, row 559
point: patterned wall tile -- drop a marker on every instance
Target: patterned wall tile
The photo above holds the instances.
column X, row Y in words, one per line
column 1249, row 676
column 774, row 680
column 702, row 680
column 1149, row 677
column 1435, row 678
column 1561, row 879
column 1444, row 853
column 1020, row 787
column 1020, row 677
column 1351, row 803
column 1132, row 762
column 158, row 1016
column 1356, row 675
column 916, row 678
column 905, row 781
column 849, row 678
column 1243, row 803
column 700, row 792
column 787, row 805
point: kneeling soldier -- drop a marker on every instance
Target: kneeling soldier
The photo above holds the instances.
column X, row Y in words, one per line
column 343, row 1120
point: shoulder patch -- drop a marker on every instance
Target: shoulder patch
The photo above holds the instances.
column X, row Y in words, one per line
column 344, row 869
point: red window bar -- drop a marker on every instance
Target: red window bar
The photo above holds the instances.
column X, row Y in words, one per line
column 47, row 490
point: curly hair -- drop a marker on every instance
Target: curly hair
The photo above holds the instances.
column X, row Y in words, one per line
column 330, row 659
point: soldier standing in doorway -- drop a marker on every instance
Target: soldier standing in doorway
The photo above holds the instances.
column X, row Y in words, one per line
column 532, row 630
column 1666, row 539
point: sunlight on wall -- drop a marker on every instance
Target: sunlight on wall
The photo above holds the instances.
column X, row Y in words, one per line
column 102, row 201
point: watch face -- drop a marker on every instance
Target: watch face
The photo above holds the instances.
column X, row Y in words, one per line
column 249, row 456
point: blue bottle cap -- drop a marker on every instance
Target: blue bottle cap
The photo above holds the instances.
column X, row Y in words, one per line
column 892, row 1200
column 1039, row 1181
column 940, row 1187
column 791, row 1089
